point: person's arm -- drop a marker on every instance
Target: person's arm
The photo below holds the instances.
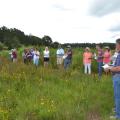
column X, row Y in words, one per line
column 57, row 52
column 83, row 55
column 63, row 52
column 69, row 52
column 115, row 69
column 91, row 56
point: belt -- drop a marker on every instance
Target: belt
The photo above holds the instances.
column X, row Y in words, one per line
column 117, row 74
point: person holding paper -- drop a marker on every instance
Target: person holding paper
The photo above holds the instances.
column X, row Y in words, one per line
column 116, row 81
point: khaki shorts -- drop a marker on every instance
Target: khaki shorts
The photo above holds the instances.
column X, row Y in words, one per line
column 59, row 60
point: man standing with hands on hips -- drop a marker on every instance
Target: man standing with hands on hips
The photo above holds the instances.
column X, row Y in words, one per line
column 116, row 81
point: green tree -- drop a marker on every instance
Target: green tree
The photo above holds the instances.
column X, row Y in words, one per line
column 47, row 41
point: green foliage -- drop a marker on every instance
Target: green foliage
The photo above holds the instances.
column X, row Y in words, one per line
column 15, row 38
column 2, row 46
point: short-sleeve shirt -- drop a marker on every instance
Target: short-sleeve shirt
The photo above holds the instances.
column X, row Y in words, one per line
column 14, row 55
column 46, row 54
column 60, row 52
column 107, row 57
column 36, row 55
column 100, row 55
column 69, row 54
column 87, row 57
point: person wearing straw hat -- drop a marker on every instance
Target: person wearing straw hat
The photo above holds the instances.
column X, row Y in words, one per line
column 87, row 60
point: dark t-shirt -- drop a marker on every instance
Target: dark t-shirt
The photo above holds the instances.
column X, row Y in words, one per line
column 100, row 55
column 69, row 54
column 14, row 55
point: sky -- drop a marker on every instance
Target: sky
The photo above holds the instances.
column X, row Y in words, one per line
column 65, row 21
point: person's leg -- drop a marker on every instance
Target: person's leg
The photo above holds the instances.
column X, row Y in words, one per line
column 60, row 62
column 48, row 60
column 89, row 68
column 100, row 64
column 57, row 60
column 14, row 60
column 116, row 81
column 85, row 68
column 37, row 62
column 25, row 61
column 44, row 62
column 65, row 63
column 69, row 63
column 34, row 61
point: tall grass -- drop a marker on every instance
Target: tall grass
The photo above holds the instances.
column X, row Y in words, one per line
column 28, row 93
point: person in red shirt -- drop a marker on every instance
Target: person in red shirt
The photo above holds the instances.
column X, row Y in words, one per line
column 14, row 54
column 107, row 56
column 87, row 60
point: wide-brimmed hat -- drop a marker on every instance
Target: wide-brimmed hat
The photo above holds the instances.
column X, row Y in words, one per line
column 87, row 48
column 107, row 47
column 68, row 46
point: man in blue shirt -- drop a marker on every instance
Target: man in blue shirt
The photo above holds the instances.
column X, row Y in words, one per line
column 116, row 81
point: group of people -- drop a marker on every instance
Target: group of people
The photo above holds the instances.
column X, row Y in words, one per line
column 103, row 57
column 33, row 56
column 64, row 58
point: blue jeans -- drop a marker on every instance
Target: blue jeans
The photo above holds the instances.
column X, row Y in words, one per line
column 100, row 64
column 116, row 85
column 67, row 63
column 36, row 62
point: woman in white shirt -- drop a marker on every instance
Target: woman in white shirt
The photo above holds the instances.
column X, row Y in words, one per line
column 46, row 56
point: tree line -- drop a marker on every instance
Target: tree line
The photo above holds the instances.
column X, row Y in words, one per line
column 14, row 38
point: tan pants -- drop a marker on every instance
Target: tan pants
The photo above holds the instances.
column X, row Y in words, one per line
column 59, row 60
column 14, row 60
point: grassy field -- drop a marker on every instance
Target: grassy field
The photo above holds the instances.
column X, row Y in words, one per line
column 27, row 93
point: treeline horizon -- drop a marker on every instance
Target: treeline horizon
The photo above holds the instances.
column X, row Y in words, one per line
column 14, row 38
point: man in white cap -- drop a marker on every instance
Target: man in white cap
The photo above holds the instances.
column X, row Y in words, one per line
column 68, row 59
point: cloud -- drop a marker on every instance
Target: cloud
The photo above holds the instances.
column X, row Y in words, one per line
column 115, row 28
column 103, row 7
column 60, row 7
column 63, row 20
